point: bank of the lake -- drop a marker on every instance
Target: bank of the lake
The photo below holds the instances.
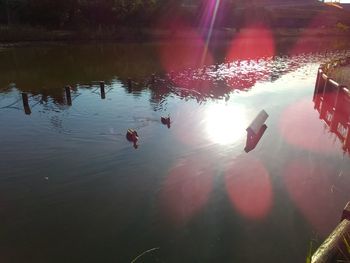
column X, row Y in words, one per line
column 22, row 33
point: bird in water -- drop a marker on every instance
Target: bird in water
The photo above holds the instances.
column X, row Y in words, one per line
column 132, row 136
column 166, row 121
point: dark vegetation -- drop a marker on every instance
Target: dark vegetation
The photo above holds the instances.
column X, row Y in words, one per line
column 124, row 19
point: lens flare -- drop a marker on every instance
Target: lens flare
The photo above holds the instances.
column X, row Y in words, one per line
column 301, row 127
column 245, row 45
column 249, row 188
column 177, row 54
column 186, row 190
column 210, row 18
column 309, row 187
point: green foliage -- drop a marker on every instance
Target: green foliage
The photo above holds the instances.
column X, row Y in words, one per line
column 72, row 13
column 68, row 14
column 309, row 253
column 112, row 14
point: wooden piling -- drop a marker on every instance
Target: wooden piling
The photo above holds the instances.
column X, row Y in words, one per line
column 26, row 103
column 68, row 95
column 25, row 99
column 129, row 85
column 153, row 78
column 102, row 89
column 319, row 72
column 323, row 84
column 333, row 85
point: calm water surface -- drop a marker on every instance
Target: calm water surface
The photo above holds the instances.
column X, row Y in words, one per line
column 73, row 189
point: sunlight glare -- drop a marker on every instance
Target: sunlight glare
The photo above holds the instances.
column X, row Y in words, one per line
column 226, row 124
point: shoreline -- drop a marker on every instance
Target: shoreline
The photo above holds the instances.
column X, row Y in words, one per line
column 23, row 36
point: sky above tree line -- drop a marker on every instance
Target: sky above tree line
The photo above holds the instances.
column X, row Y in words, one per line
column 341, row 1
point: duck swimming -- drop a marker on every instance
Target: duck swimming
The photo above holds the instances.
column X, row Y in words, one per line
column 132, row 136
column 165, row 120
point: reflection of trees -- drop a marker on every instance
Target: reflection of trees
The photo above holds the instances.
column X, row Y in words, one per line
column 159, row 93
column 46, row 71
column 218, row 81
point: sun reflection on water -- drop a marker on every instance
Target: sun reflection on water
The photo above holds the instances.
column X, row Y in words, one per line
column 226, row 124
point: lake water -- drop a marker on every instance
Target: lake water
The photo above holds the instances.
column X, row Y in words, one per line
column 73, row 189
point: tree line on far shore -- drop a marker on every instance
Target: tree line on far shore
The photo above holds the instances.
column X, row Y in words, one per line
column 80, row 14
column 93, row 13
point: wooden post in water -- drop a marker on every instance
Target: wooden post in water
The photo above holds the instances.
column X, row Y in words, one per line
column 319, row 72
column 129, row 85
column 68, row 95
column 153, row 78
column 324, row 81
column 102, row 88
column 335, row 89
column 26, row 103
column 25, row 99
